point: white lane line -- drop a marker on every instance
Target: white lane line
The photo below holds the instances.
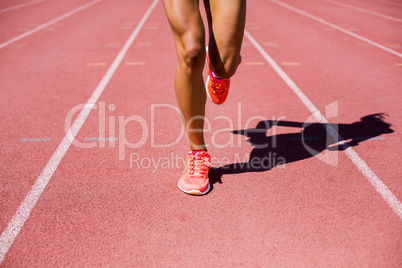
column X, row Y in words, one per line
column 46, row 24
column 14, row 226
column 336, row 27
column 379, row 186
column 388, row 2
column 21, row 5
column 363, row 10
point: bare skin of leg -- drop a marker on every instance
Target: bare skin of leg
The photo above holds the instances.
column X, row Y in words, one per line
column 226, row 21
column 189, row 36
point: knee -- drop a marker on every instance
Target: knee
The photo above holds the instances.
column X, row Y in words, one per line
column 192, row 58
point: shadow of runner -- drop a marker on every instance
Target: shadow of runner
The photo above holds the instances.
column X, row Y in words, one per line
column 270, row 151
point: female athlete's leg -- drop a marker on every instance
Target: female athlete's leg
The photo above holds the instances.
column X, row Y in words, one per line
column 189, row 36
column 226, row 21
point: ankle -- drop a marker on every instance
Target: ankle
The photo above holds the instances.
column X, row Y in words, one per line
column 196, row 149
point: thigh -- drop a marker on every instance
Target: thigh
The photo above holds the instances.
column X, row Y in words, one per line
column 186, row 23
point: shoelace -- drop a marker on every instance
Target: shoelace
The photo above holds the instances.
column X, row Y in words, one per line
column 198, row 165
column 220, row 86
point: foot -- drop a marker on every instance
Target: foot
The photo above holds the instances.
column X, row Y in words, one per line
column 195, row 179
column 217, row 88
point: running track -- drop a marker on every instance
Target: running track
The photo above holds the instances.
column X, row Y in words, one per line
column 107, row 205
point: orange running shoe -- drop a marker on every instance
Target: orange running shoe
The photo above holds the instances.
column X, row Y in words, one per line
column 195, row 179
column 217, row 89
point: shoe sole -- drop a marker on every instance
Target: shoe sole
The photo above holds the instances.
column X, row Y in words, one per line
column 195, row 192
column 206, row 81
column 206, row 89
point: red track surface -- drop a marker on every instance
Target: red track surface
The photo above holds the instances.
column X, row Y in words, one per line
column 98, row 210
